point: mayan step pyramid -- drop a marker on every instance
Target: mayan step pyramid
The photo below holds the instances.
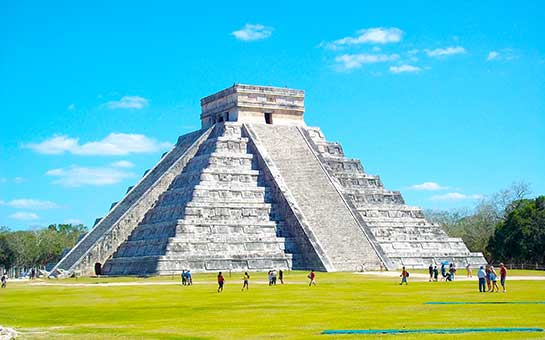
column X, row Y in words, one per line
column 257, row 189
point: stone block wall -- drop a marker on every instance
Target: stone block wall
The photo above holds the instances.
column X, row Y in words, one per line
column 216, row 215
column 400, row 232
column 106, row 236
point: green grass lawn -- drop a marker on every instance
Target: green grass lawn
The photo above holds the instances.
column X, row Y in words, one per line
column 340, row 301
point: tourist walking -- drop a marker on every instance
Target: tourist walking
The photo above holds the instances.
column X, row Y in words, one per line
column 494, row 278
column 188, row 278
column 281, row 276
column 4, row 280
column 404, row 275
column 481, row 274
column 273, row 277
column 269, row 276
column 452, row 271
column 469, row 271
column 184, row 282
column 488, row 281
column 221, row 280
column 503, row 276
column 443, row 271
column 246, row 279
column 312, row 277
column 430, row 270
column 435, row 273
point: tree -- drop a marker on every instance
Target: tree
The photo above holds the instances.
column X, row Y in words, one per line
column 475, row 228
column 26, row 248
column 520, row 238
column 7, row 257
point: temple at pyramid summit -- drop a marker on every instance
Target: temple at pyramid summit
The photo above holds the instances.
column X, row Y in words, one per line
column 256, row 188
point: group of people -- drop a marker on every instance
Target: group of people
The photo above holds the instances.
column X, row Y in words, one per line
column 488, row 278
column 272, row 276
column 187, row 279
column 446, row 274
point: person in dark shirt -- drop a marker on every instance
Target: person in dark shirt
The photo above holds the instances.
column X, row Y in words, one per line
column 503, row 275
column 4, row 280
column 221, row 280
column 430, row 270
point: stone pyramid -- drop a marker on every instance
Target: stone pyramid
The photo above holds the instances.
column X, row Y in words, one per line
column 257, row 189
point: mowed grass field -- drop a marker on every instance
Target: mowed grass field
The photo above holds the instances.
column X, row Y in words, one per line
column 165, row 310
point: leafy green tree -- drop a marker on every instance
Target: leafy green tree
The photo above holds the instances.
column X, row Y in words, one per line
column 520, row 238
column 7, row 257
column 25, row 248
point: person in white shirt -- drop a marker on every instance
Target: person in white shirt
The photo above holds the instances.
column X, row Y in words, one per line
column 481, row 274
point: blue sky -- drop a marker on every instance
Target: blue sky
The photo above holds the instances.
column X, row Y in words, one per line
column 445, row 102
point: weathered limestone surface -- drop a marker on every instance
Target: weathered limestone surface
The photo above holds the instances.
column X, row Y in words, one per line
column 400, row 231
column 108, row 234
column 216, row 215
column 342, row 240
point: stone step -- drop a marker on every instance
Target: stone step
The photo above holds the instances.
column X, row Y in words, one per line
column 235, row 194
column 375, row 198
column 173, row 228
column 168, row 266
column 344, row 165
column 224, row 159
column 235, row 145
column 362, row 183
column 329, row 149
column 197, row 248
column 383, row 220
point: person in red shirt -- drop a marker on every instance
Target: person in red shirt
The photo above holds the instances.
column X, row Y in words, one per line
column 221, row 280
column 312, row 278
column 404, row 275
column 503, row 275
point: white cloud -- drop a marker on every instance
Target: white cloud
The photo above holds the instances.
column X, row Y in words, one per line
column 253, row 32
column 429, row 186
column 455, row 196
column 76, row 176
column 492, row 55
column 440, row 52
column 503, row 54
column 19, row 180
column 128, row 102
column 113, row 144
column 351, row 61
column 375, row 35
column 72, row 221
column 404, row 68
column 71, row 107
column 24, row 216
column 122, row 164
column 3, row 180
column 28, row 203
